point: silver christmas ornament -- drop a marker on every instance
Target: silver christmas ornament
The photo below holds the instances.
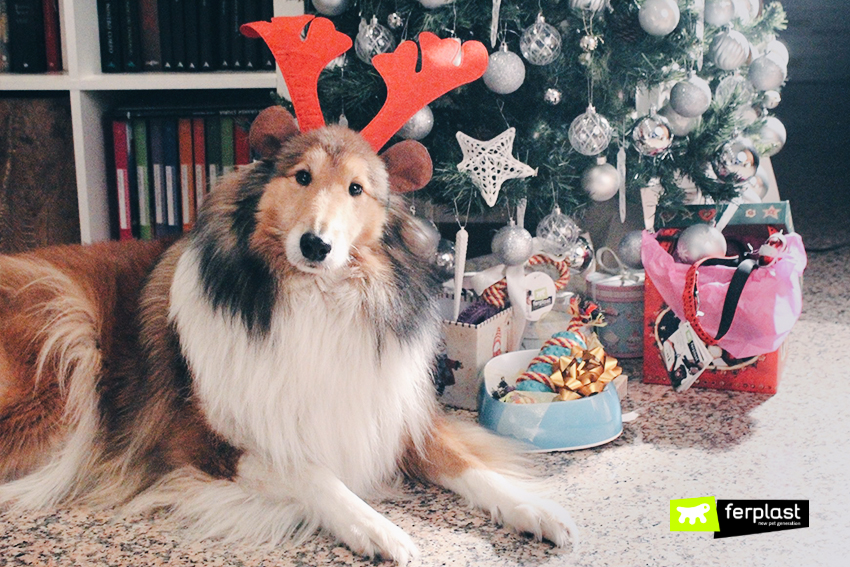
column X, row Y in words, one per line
column 601, row 181
column 505, row 71
column 395, row 21
column 771, row 99
column 766, row 73
column 652, row 135
column 690, row 97
column 737, row 160
column 679, row 125
column 629, row 249
column 373, row 39
column 729, row 50
column 700, row 241
column 734, row 87
column 759, row 183
column 719, row 12
column 772, row 136
column 431, row 4
column 580, row 255
column 540, row 43
column 590, row 133
column 422, row 237
column 419, row 125
column 552, row 96
column 777, row 51
column 658, row 17
column 591, row 6
column 445, row 258
column 512, row 245
column 588, row 43
column 330, row 7
column 747, row 10
column 557, row 232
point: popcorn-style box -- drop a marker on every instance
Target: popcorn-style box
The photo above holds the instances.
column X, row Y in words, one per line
column 747, row 227
column 468, row 348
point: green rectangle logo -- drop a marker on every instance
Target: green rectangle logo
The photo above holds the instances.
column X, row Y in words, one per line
column 694, row 515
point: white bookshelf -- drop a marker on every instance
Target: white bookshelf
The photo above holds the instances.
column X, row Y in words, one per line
column 93, row 93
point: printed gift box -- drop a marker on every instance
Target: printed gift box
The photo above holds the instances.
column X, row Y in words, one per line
column 749, row 227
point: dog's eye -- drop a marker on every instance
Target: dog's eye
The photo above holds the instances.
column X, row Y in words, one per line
column 303, row 177
column 355, row 189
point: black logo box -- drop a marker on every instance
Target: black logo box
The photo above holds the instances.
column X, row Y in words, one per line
column 744, row 517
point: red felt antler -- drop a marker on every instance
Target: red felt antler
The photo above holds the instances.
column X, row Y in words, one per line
column 301, row 60
column 408, row 90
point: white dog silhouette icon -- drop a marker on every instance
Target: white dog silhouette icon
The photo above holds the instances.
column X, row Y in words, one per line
column 692, row 513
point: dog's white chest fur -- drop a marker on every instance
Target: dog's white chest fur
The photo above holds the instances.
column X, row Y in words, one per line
column 312, row 391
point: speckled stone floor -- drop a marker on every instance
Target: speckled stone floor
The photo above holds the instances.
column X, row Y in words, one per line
column 794, row 445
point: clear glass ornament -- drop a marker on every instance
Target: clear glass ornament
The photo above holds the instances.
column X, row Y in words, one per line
column 540, row 43
column 373, row 39
column 590, row 133
column 557, row 232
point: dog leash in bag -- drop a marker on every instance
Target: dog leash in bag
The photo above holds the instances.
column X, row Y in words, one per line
column 690, row 297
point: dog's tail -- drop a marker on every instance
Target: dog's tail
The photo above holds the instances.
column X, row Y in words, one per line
column 50, row 360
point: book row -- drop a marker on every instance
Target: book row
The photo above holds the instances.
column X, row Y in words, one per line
column 181, row 35
column 29, row 36
column 166, row 164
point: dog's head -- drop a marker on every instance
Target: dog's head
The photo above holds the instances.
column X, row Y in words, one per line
column 329, row 195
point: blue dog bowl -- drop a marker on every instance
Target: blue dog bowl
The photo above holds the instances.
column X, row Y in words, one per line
column 553, row 426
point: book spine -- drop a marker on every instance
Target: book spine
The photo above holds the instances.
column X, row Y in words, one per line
column 130, row 37
column 157, row 157
column 110, row 36
column 132, row 180
column 228, row 155
column 213, row 149
column 267, row 61
column 52, row 43
column 200, row 161
column 225, row 56
column 187, row 173
column 121, row 147
column 190, row 28
column 166, row 47
column 143, row 178
column 250, row 47
column 171, row 150
column 150, row 37
column 241, row 143
column 206, row 48
column 26, row 36
column 237, row 45
column 178, row 35
column 4, row 37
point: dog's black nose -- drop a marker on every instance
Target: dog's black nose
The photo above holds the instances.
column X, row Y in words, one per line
column 313, row 247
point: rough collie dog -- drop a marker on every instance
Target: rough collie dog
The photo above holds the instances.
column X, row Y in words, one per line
column 260, row 377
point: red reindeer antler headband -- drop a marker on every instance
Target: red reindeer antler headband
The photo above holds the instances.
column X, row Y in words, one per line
column 408, row 90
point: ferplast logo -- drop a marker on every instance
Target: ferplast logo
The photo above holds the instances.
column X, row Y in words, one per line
column 694, row 515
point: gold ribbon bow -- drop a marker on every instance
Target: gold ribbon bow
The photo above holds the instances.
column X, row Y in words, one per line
column 583, row 373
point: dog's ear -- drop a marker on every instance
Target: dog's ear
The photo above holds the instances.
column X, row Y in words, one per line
column 409, row 165
column 270, row 129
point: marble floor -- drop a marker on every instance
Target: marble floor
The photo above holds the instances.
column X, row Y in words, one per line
column 793, row 445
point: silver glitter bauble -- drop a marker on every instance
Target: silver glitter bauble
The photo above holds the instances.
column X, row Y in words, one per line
column 772, row 136
column 330, row 7
column 771, row 99
column 422, row 237
column 729, row 50
column 658, row 17
column 629, row 249
column 552, row 96
column 419, row 125
column 431, row 4
column 766, row 73
column 373, row 39
column 592, row 6
column 540, row 43
column 679, row 125
column 777, row 51
column 700, row 241
column 512, row 245
column 601, row 181
column 652, row 135
column 557, row 232
column 395, row 21
column 737, row 160
column 691, row 97
column 505, row 71
column 445, row 258
column 588, row 43
column 590, row 133
column 719, row 12
column 580, row 255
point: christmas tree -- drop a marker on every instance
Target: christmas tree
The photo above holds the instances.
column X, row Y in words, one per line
column 597, row 94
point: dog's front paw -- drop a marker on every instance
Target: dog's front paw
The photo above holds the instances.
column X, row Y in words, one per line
column 373, row 535
column 541, row 518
